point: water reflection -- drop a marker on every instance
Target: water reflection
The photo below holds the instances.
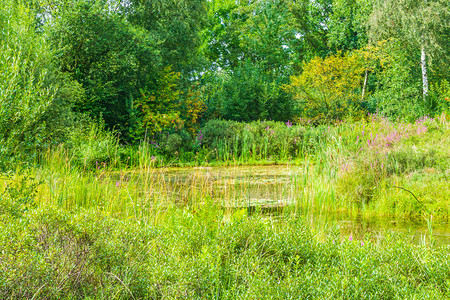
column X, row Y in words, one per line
column 271, row 190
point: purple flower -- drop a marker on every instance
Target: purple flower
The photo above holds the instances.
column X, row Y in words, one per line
column 350, row 238
column 289, row 124
column 362, row 243
column 117, row 184
column 200, row 136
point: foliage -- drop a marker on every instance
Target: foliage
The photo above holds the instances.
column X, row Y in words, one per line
column 18, row 195
column 193, row 108
column 159, row 108
column 421, row 27
column 205, row 254
column 175, row 24
column 25, row 94
column 108, row 56
column 348, row 22
column 414, row 23
column 397, row 81
column 249, row 94
column 310, row 21
column 252, row 44
column 440, row 96
column 329, row 89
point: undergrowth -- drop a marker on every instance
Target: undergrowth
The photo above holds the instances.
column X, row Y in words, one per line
column 48, row 253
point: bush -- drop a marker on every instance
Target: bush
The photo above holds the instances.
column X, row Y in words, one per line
column 248, row 94
column 90, row 144
column 329, row 89
column 220, row 130
column 204, row 255
column 19, row 193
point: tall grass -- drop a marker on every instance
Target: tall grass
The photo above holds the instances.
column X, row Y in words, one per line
column 99, row 229
column 377, row 168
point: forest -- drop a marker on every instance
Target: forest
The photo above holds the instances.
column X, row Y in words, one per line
column 145, row 69
column 162, row 149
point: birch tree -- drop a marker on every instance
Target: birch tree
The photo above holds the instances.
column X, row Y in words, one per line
column 422, row 23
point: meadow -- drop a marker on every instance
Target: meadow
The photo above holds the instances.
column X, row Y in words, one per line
column 222, row 222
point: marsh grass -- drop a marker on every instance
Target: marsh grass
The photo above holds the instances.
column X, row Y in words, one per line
column 106, row 231
column 350, row 167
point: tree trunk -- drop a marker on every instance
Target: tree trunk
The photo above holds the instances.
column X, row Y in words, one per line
column 423, row 62
column 365, row 84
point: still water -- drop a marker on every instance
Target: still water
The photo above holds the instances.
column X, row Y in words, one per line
column 274, row 189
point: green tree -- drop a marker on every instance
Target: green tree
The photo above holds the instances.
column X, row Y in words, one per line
column 250, row 94
column 421, row 24
column 348, row 24
column 176, row 24
column 159, row 107
column 108, row 56
column 252, row 44
column 310, row 20
column 221, row 37
column 25, row 94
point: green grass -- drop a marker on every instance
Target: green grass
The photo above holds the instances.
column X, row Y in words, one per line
column 101, row 230
column 206, row 253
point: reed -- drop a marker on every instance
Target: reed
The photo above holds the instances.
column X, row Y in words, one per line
column 350, row 167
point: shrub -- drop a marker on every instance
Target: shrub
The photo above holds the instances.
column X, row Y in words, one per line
column 91, row 144
column 201, row 254
column 329, row 89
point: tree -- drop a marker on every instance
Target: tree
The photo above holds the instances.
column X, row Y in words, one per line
column 221, row 37
column 348, row 24
column 176, row 24
column 423, row 24
column 310, row 21
column 252, row 46
column 25, row 94
column 329, row 89
column 110, row 57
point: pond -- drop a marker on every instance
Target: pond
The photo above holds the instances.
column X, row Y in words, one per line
column 271, row 190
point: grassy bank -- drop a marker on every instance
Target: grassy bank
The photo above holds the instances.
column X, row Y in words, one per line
column 208, row 254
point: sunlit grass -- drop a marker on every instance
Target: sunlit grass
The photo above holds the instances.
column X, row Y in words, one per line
column 106, row 230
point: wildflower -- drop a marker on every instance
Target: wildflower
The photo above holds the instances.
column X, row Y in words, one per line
column 200, row 137
column 350, row 238
column 362, row 243
column 289, row 124
column 117, row 184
